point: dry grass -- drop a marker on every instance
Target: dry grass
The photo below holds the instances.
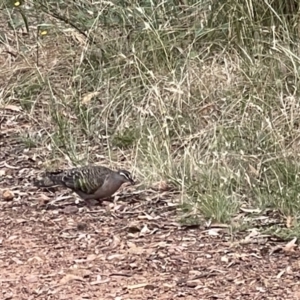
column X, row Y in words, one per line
column 206, row 100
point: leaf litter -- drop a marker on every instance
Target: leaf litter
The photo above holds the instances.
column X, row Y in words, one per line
column 133, row 248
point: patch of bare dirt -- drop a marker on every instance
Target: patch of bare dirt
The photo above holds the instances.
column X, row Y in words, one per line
column 134, row 248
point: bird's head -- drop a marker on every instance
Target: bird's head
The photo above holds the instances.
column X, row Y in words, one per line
column 126, row 175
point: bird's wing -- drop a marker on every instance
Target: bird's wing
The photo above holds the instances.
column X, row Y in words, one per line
column 85, row 179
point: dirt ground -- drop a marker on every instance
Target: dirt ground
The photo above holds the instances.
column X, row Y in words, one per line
column 53, row 248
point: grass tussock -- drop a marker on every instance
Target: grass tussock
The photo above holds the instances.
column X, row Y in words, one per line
column 203, row 94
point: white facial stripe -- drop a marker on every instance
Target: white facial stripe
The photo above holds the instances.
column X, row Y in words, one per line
column 127, row 176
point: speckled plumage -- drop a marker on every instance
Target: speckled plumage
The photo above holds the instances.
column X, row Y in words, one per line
column 89, row 182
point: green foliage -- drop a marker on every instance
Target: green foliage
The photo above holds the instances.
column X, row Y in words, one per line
column 200, row 93
column 126, row 139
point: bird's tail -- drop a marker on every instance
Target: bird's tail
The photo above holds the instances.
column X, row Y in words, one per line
column 49, row 179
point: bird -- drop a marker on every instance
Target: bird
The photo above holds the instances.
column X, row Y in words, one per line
column 88, row 182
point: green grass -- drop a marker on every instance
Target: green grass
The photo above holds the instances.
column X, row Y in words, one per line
column 201, row 94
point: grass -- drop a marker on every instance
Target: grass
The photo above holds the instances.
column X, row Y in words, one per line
column 199, row 93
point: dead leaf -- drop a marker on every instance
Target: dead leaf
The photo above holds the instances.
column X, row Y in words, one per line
column 131, row 244
column 169, row 285
column 12, row 108
column 88, row 97
column 136, row 286
column 91, row 257
column 150, row 287
column 81, row 226
column 137, row 250
column 19, row 221
column 134, row 227
column 297, row 294
column 148, row 217
column 116, row 242
column 99, row 280
column 289, row 247
column 161, row 186
column 7, row 195
column 253, row 234
column 224, row 259
column 218, row 225
column 32, row 278
column 35, row 258
column 115, row 256
column 253, row 170
column 289, row 222
column 145, row 229
column 70, row 209
column 17, row 260
column 10, row 167
column 43, row 197
column 133, row 265
column 81, row 272
column 277, row 248
column 42, row 200
column 250, row 210
column 214, row 231
column 192, row 283
column 70, row 277
column 280, row 274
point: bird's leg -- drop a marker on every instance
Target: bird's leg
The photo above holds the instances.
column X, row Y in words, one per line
column 88, row 199
column 88, row 203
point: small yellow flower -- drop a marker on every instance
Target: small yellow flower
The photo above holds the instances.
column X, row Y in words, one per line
column 43, row 32
column 17, row 3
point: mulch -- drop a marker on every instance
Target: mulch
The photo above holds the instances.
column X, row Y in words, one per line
column 52, row 247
